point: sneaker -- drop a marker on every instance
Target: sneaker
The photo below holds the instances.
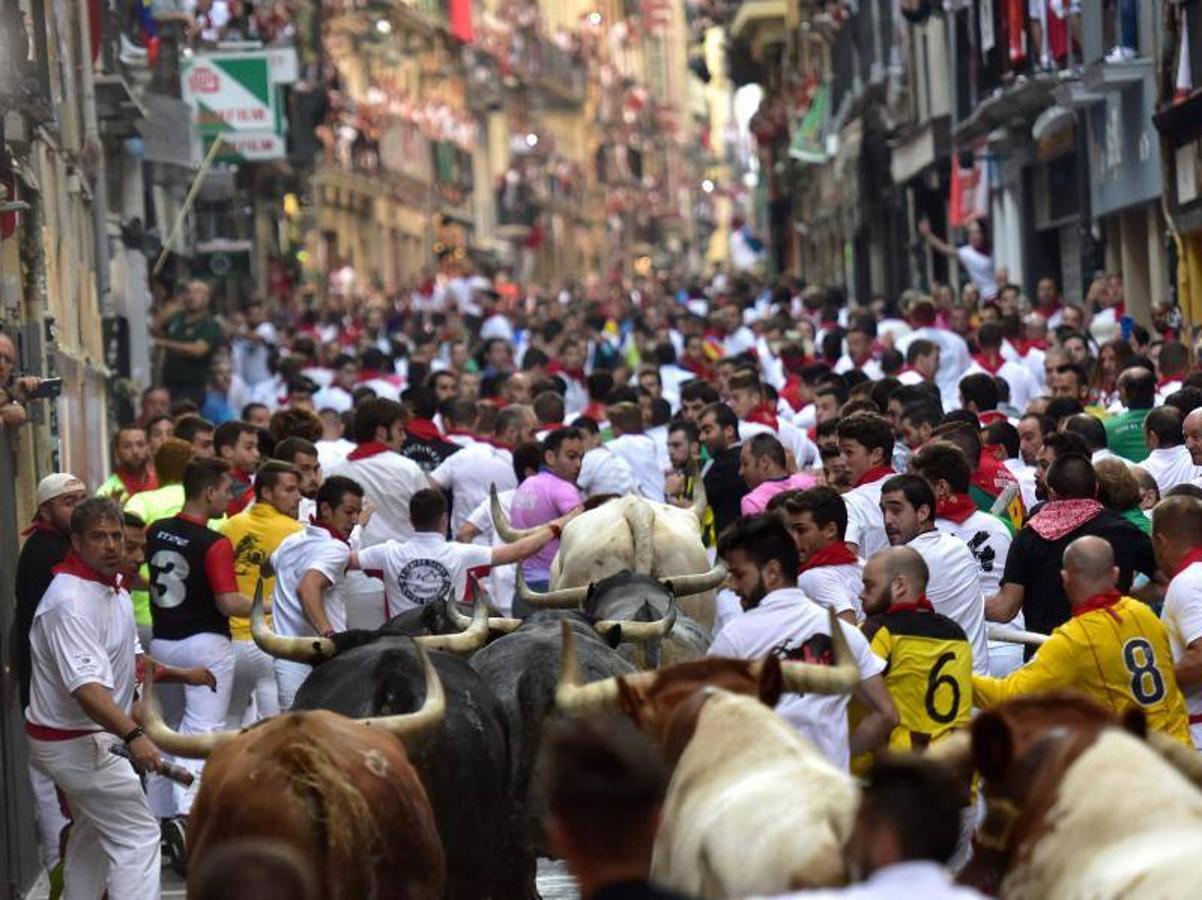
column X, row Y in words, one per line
column 174, row 845
column 1120, row 55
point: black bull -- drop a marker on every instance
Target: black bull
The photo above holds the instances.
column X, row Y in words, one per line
column 465, row 763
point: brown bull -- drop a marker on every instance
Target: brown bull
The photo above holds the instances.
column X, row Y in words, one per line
column 1079, row 804
column 341, row 792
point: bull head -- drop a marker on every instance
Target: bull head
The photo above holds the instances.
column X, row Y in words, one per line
column 500, row 521
column 601, row 696
column 313, row 650
column 199, row 746
column 570, row 598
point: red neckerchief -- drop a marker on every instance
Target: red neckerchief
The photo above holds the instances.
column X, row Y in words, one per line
column 1026, row 345
column 548, row 426
column 860, row 363
column 136, row 482
column 764, row 414
column 922, row 604
column 44, row 527
column 240, row 475
column 334, row 532
column 576, row 373
column 595, row 411
column 73, row 564
column 1057, row 518
column 791, row 392
column 989, row 365
column 991, row 476
column 1167, row 380
column 835, row 553
column 423, row 429
column 989, row 416
column 697, row 367
column 958, row 507
column 1104, row 600
column 875, row 474
column 370, row 448
column 1192, row 557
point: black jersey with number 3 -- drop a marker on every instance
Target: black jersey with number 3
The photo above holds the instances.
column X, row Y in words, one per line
column 182, row 596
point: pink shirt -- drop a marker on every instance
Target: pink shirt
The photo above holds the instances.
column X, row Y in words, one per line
column 756, row 501
column 537, row 501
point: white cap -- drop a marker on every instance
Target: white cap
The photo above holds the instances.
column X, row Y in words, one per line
column 53, row 486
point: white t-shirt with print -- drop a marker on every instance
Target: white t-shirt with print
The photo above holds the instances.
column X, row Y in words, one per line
column 790, row 625
column 312, row 549
column 954, row 588
column 422, row 569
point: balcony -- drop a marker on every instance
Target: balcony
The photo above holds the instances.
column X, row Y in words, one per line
column 759, row 24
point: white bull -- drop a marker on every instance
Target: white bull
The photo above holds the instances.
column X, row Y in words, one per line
column 629, row 534
column 752, row 808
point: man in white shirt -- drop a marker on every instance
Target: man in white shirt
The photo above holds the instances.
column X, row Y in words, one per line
column 83, row 646
column 781, row 620
column 427, row 568
column 480, row 529
column 388, row 479
column 470, row 473
column 945, row 467
column 309, row 570
column 1177, row 540
column 922, row 362
column 459, row 422
column 866, row 444
column 333, row 448
column 831, row 574
column 1023, row 387
column 908, row 829
column 1169, row 461
column 739, row 338
column 908, row 506
column 338, row 395
column 859, row 350
column 638, row 450
column 758, row 416
column 602, row 471
column 954, row 356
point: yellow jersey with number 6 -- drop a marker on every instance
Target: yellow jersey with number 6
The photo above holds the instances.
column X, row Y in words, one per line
column 1117, row 654
column 928, row 672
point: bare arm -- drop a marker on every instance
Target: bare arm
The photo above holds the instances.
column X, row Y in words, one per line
column 937, row 243
column 164, row 674
column 1188, row 669
column 527, row 546
column 874, row 729
column 1005, row 604
column 311, row 591
column 95, row 700
column 848, row 616
column 467, row 533
column 233, row 603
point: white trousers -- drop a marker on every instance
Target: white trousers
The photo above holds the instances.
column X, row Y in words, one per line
column 114, row 843
column 48, row 815
column 289, row 676
column 254, row 695
column 204, row 709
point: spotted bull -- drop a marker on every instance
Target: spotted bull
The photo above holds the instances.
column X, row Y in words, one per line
column 752, row 807
column 342, row 793
column 1080, row 805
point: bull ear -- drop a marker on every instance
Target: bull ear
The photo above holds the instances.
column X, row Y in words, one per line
column 772, row 681
column 992, row 745
column 630, row 701
column 1135, row 721
column 613, row 636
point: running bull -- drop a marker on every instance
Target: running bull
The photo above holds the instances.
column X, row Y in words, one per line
column 342, row 793
column 465, row 763
column 739, row 770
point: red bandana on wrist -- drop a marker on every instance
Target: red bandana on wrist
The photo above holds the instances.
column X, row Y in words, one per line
column 370, row 448
column 875, row 474
column 836, row 553
column 957, row 508
column 1104, row 600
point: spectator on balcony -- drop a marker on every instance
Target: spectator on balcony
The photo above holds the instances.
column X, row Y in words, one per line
column 14, row 392
column 975, row 256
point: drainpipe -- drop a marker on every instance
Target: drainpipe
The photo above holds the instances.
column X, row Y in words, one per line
column 99, row 179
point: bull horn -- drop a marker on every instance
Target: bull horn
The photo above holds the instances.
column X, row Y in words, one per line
column 685, row 585
column 841, row 678
column 431, row 711
column 500, row 521
column 1182, row 758
column 953, row 750
column 191, row 746
column 585, row 699
column 635, row 632
column 472, row 636
column 565, row 598
column 700, row 500
column 309, row 650
column 499, row 624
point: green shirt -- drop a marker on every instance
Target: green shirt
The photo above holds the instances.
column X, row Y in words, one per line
column 190, row 371
column 1136, row 517
column 1125, row 434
